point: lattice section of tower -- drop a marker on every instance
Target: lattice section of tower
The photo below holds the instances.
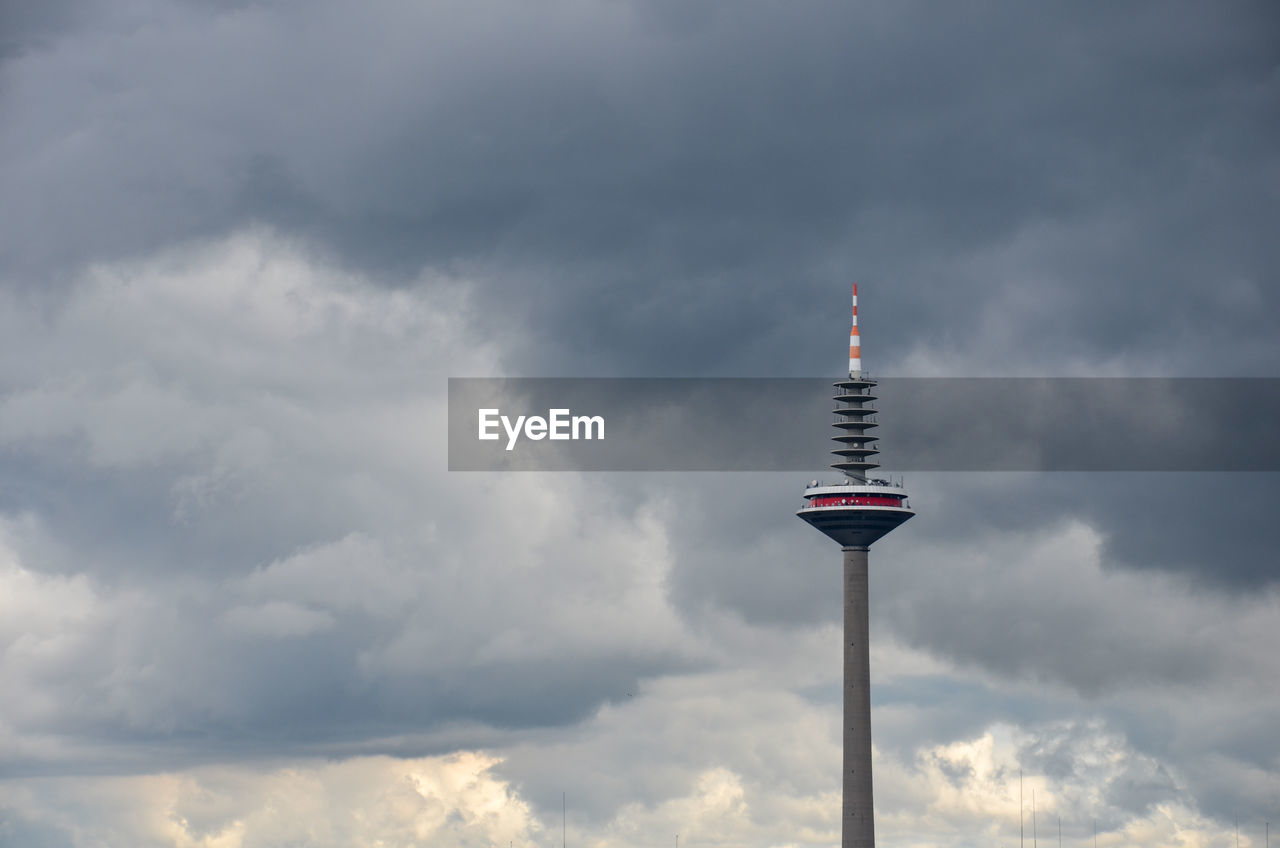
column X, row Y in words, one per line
column 855, row 418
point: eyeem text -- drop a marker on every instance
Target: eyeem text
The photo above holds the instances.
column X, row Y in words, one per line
column 560, row 424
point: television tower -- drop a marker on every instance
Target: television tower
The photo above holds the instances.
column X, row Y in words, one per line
column 855, row 512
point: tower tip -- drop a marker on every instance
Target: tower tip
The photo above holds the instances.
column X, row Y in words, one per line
column 855, row 341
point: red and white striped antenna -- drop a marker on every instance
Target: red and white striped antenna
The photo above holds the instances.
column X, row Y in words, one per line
column 855, row 341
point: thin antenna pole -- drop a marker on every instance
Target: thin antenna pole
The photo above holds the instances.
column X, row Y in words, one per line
column 855, row 341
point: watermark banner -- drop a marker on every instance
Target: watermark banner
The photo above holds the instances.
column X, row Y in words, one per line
column 924, row 424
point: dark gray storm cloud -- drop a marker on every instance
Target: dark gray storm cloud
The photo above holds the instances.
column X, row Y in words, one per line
column 213, row 464
column 621, row 174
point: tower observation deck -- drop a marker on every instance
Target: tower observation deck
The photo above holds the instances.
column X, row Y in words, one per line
column 855, row 511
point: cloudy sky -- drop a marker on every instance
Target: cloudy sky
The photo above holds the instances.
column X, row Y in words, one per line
column 244, row 244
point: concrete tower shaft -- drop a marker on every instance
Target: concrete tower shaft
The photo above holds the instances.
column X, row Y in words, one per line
column 857, row 821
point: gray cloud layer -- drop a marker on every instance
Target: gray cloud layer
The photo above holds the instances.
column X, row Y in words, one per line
column 243, row 244
column 1109, row 171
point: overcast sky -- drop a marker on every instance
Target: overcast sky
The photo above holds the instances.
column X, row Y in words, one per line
column 244, row 244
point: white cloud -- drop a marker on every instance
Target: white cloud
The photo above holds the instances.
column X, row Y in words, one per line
column 274, row 533
column 374, row 801
column 966, row 793
column 961, row 793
